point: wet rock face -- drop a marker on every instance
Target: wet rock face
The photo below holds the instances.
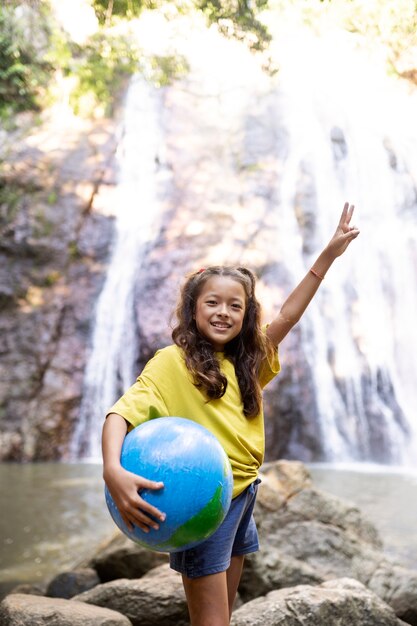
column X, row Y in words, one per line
column 55, row 237
column 218, row 206
column 221, row 209
column 232, row 194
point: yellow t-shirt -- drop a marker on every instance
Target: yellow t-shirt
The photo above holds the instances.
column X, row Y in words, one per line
column 165, row 388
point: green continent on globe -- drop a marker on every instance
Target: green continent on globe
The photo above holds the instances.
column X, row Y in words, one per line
column 199, row 526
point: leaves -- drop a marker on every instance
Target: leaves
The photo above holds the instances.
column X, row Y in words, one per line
column 23, row 69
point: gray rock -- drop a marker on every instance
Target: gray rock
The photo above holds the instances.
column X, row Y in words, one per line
column 281, row 480
column 342, row 602
column 123, row 558
column 69, row 584
column 160, row 572
column 308, row 540
column 306, row 536
column 263, row 573
column 398, row 587
column 309, row 537
column 30, row 589
column 157, row 600
column 310, row 504
column 26, row 610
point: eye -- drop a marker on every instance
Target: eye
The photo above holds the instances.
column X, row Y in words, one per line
column 237, row 306
column 211, row 302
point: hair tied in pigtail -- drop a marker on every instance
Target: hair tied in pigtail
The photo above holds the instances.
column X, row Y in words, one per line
column 246, row 272
column 201, row 270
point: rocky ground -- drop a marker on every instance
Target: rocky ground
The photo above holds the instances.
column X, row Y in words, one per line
column 321, row 563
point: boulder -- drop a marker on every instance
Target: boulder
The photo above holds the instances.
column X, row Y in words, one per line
column 69, row 584
column 281, row 480
column 306, row 536
column 21, row 609
column 122, row 558
column 398, row 587
column 154, row 600
column 32, row 589
column 342, row 602
column 309, row 537
column 321, row 562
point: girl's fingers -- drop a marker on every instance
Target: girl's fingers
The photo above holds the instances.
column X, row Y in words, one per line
column 138, row 518
column 351, row 234
column 346, row 214
column 151, row 510
column 144, row 483
column 146, row 510
column 143, row 514
column 145, row 506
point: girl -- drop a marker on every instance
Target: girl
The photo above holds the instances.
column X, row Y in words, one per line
column 214, row 374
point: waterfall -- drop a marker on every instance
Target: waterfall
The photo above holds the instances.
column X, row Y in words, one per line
column 353, row 136
column 347, row 132
column 111, row 364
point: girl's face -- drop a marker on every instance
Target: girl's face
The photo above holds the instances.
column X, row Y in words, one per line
column 220, row 310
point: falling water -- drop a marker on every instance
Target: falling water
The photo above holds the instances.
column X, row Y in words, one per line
column 111, row 364
column 353, row 136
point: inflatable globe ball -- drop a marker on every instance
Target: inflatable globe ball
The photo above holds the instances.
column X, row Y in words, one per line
column 197, row 477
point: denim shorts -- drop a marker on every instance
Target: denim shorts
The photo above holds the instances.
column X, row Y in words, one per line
column 236, row 535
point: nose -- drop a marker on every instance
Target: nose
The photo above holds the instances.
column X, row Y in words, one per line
column 223, row 309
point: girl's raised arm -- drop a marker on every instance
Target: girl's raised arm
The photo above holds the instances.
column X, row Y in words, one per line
column 298, row 300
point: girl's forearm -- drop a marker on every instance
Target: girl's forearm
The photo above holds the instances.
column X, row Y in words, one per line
column 299, row 299
column 297, row 302
column 322, row 264
column 301, row 296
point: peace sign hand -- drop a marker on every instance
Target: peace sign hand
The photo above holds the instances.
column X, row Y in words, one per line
column 345, row 233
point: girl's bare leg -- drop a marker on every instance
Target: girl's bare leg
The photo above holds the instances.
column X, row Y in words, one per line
column 233, row 575
column 210, row 598
column 207, row 600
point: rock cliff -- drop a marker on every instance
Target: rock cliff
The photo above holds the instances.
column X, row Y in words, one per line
column 56, row 228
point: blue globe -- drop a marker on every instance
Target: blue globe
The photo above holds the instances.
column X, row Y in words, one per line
column 197, row 477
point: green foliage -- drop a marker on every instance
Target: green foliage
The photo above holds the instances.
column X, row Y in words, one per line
column 10, row 199
column 33, row 48
column 52, row 197
column 51, row 278
column 162, row 70
column 13, row 193
column 391, row 24
column 394, row 24
column 241, row 16
column 42, row 226
column 24, row 72
column 105, row 9
column 101, row 68
column 74, row 251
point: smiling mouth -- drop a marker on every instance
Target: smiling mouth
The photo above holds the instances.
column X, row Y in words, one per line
column 221, row 326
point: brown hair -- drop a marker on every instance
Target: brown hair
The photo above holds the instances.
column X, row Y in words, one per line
column 246, row 351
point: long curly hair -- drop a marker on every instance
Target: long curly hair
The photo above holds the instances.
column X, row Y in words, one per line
column 246, row 351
